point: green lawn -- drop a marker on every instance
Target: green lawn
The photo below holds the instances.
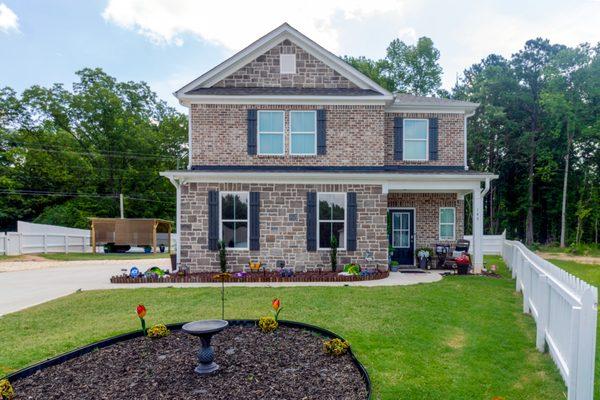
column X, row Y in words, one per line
column 461, row 338
column 100, row 256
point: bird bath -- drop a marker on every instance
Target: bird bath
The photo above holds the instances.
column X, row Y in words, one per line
column 205, row 330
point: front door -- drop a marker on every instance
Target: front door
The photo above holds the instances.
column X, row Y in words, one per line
column 402, row 236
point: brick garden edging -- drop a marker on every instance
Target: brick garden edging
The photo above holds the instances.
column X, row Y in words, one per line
column 257, row 277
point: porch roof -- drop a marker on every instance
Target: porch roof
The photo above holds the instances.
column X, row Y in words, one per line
column 418, row 180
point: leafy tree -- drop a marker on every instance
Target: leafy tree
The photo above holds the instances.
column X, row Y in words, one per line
column 406, row 68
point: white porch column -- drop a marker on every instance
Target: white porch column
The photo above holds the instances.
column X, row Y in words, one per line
column 477, row 231
column 178, row 222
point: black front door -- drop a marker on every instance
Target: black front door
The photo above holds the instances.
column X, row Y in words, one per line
column 402, row 236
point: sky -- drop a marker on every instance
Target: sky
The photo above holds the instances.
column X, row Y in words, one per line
column 168, row 43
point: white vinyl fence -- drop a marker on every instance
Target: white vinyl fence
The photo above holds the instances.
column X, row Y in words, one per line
column 565, row 311
column 14, row 243
column 492, row 244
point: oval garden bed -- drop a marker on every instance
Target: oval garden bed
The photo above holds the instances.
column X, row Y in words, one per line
column 266, row 276
column 286, row 364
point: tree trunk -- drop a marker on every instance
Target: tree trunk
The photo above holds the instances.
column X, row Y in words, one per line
column 529, row 220
column 563, row 214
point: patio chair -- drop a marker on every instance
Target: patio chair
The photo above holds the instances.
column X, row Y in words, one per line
column 461, row 247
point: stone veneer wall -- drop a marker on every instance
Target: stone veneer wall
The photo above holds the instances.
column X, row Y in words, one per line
column 354, row 136
column 450, row 139
column 427, row 214
column 282, row 226
column 264, row 71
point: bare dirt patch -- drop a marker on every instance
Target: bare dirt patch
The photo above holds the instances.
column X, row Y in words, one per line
column 570, row 257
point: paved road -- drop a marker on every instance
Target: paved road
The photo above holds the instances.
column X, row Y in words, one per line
column 28, row 287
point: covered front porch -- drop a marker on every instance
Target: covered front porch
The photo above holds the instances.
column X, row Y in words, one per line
column 430, row 211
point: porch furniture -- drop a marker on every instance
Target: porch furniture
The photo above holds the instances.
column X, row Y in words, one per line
column 461, row 247
column 441, row 252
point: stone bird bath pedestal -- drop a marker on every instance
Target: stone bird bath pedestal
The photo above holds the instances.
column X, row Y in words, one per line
column 205, row 330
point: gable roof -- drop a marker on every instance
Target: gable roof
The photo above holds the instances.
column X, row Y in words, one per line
column 271, row 39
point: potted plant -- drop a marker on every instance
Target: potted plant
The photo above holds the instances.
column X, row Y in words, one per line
column 394, row 266
column 423, row 257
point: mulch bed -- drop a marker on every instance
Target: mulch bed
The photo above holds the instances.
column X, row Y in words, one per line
column 208, row 277
column 287, row 364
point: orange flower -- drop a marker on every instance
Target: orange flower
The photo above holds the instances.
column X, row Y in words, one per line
column 222, row 276
column 141, row 311
column 276, row 304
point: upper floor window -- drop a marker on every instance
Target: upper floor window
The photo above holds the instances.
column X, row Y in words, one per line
column 287, row 63
column 447, row 223
column 271, row 133
column 234, row 219
column 415, row 139
column 331, row 219
column 303, row 131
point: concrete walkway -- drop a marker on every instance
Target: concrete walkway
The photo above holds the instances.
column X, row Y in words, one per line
column 26, row 287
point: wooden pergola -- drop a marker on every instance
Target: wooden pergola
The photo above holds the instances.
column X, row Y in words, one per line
column 129, row 231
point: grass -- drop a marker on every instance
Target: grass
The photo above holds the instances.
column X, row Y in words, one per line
column 461, row 338
column 100, row 256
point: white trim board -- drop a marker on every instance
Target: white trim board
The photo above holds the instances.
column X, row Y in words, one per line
column 271, row 39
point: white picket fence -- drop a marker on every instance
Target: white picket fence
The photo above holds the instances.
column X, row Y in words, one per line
column 565, row 311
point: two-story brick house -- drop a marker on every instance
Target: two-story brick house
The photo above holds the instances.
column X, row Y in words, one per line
column 289, row 146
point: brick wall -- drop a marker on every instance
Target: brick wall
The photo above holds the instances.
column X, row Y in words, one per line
column 427, row 214
column 354, row 136
column 264, row 72
column 450, row 139
column 282, row 226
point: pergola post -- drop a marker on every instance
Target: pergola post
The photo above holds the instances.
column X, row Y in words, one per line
column 93, row 238
column 155, row 225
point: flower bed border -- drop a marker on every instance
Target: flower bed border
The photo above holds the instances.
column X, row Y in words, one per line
column 252, row 277
column 28, row 371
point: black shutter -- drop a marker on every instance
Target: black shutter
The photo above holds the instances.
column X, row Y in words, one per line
column 433, row 139
column 321, row 132
column 213, row 220
column 351, row 221
column 398, row 138
column 252, row 132
column 254, row 221
column 311, row 221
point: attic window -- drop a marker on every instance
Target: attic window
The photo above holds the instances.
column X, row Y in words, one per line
column 287, row 64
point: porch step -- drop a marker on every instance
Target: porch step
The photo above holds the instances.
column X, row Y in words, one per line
column 411, row 270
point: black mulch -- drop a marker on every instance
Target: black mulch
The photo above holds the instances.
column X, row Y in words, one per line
column 287, row 364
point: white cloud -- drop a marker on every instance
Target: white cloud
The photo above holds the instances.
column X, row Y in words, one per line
column 464, row 31
column 235, row 24
column 8, row 19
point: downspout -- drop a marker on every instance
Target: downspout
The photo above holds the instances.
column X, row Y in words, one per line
column 177, row 183
column 189, row 138
column 467, row 115
column 486, row 188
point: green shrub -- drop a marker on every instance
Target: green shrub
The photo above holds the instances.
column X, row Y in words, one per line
column 336, row 347
column 158, row 331
column 267, row 324
column 352, row 268
column 6, row 390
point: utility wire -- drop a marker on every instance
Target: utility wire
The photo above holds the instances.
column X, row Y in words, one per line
column 62, row 194
column 125, row 155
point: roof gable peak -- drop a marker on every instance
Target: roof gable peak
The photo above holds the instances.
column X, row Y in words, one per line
column 267, row 42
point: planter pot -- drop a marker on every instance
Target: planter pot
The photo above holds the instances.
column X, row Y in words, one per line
column 462, row 269
column 423, row 262
column 394, row 268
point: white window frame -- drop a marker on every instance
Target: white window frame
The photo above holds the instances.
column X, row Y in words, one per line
column 303, row 133
column 341, row 246
column 453, row 223
column 291, row 62
column 221, row 220
column 258, row 133
column 404, row 139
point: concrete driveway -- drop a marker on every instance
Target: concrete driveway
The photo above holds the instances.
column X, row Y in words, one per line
column 28, row 285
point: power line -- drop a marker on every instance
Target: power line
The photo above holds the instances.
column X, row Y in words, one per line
column 25, row 192
column 107, row 154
